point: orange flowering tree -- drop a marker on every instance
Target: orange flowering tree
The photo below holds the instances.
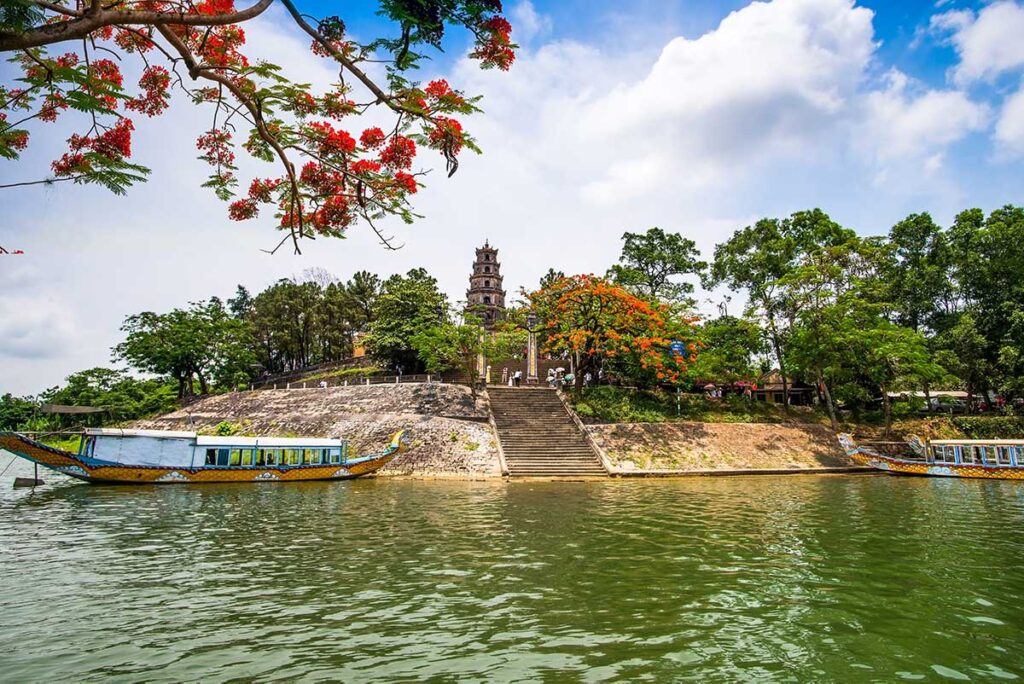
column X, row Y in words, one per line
column 604, row 327
column 75, row 57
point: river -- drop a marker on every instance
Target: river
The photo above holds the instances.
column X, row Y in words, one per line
column 832, row 578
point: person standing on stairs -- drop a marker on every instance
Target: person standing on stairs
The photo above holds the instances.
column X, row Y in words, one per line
column 517, row 378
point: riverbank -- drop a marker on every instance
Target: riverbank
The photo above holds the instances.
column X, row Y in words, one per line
column 449, row 429
column 718, row 448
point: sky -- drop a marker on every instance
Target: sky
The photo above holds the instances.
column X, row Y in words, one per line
column 696, row 116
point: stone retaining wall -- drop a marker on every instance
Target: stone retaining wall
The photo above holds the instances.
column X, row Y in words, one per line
column 449, row 429
column 718, row 446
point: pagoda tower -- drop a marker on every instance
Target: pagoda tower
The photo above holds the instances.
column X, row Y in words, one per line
column 485, row 298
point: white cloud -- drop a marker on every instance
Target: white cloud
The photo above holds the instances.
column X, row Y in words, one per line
column 1010, row 127
column 900, row 122
column 527, row 23
column 34, row 327
column 988, row 43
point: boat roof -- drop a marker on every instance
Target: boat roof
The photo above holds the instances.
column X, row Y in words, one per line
column 217, row 440
column 118, row 432
column 979, row 442
column 211, row 440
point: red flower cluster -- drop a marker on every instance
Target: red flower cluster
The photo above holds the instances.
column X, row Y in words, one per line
column 51, row 106
column 104, row 80
column 336, row 105
column 260, row 190
column 216, row 148
column 441, row 93
column 446, row 135
column 211, row 7
column 364, row 166
column 494, row 49
column 333, row 216
column 114, row 143
column 341, row 46
column 243, row 209
column 303, row 103
column 332, row 140
column 406, row 182
column 137, row 40
column 399, row 153
column 372, row 138
column 154, row 98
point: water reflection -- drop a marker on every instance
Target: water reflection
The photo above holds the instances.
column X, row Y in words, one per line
column 835, row 578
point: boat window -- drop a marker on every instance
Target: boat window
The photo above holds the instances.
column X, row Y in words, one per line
column 292, row 456
column 222, row 457
column 211, row 457
column 236, row 457
column 1002, row 455
column 271, row 456
column 335, row 456
column 945, row 454
column 261, row 457
column 247, row 457
column 311, row 457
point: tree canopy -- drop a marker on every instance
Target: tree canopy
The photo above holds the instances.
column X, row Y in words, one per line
column 74, row 57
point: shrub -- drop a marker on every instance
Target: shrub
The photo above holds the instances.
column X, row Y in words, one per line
column 990, row 427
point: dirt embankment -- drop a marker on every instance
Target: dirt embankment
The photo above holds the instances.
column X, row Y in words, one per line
column 449, row 430
column 719, row 446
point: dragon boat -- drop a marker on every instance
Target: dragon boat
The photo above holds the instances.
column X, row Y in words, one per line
column 1000, row 459
column 108, row 455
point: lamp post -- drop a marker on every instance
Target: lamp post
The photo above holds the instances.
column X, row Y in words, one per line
column 531, row 348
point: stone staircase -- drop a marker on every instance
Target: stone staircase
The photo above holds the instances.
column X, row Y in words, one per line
column 538, row 436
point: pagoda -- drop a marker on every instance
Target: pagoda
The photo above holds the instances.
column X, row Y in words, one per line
column 485, row 298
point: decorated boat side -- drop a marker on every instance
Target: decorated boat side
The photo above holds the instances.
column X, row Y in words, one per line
column 108, row 455
column 1001, row 459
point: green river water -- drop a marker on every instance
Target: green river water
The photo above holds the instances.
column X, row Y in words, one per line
column 840, row 578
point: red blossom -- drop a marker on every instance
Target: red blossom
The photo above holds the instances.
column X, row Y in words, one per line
column 446, row 135
column 333, row 215
column 53, row 103
column 215, row 146
column 336, row 105
column 438, row 89
column 399, row 153
column 364, row 166
column 494, row 49
column 242, row 209
column 406, row 182
column 260, row 190
column 332, row 140
column 116, row 142
column 372, row 138
column 154, row 99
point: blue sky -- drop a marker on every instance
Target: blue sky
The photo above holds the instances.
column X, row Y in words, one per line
column 698, row 117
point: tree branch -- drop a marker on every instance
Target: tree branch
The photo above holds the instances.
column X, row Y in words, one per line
column 97, row 17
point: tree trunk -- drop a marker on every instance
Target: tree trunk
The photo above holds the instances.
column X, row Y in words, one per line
column 887, row 406
column 777, row 347
column 828, row 401
column 203, row 387
column 181, row 387
column 927, row 396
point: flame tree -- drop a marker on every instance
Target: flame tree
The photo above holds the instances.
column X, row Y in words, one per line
column 604, row 327
column 72, row 58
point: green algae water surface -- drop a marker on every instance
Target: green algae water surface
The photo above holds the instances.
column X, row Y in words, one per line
column 843, row 578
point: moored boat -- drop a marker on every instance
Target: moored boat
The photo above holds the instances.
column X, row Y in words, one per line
column 1000, row 459
column 166, row 457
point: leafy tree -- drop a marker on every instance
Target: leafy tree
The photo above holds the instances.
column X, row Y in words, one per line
column 284, row 324
column 729, row 348
column 407, row 305
column 121, row 396
column 919, row 274
column 600, row 324
column 456, row 346
column 327, row 179
column 15, row 412
column 201, row 343
column 651, row 260
column 550, row 278
column 758, row 257
column 241, row 304
column 362, row 291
